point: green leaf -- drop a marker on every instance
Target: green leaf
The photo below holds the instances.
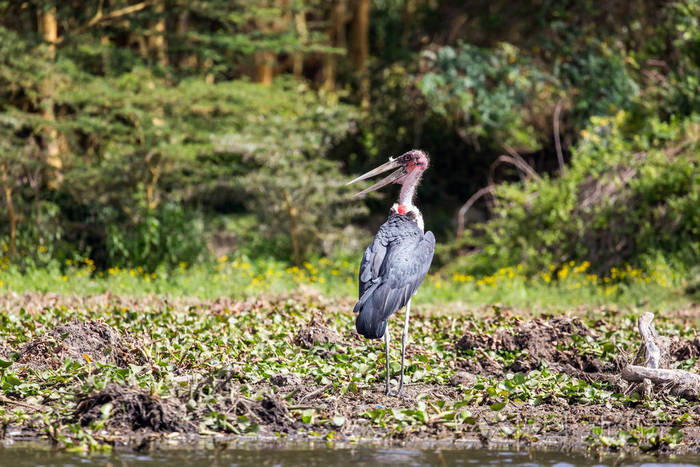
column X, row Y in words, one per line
column 12, row 380
column 350, row 388
column 498, row 406
column 307, row 416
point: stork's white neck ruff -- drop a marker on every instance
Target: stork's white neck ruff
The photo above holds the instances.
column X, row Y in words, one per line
column 403, row 209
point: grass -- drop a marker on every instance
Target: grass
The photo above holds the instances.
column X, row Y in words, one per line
column 657, row 285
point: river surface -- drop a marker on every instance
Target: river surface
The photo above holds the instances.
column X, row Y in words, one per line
column 31, row 454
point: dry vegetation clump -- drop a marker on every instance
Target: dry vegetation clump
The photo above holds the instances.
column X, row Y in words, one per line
column 131, row 409
column 540, row 342
column 80, row 341
column 315, row 333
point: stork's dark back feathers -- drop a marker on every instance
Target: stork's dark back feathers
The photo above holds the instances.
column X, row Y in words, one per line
column 393, row 267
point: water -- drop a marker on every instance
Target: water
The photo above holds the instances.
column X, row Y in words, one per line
column 19, row 455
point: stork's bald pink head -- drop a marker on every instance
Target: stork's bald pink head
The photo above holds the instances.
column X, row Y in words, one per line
column 410, row 167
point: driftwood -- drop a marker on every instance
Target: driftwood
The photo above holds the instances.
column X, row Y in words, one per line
column 652, row 375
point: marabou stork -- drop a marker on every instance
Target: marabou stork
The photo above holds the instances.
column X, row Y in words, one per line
column 396, row 262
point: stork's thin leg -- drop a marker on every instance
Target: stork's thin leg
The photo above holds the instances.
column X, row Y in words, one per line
column 404, row 339
column 386, row 345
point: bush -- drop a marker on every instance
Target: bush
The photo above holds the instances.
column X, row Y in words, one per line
column 143, row 160
column 165, row 236
column 486, row 93
column 631, row 193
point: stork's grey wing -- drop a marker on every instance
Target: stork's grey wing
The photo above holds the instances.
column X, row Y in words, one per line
column 372, row 261
column 406, row 260
column 403, row 271
column 408, row 263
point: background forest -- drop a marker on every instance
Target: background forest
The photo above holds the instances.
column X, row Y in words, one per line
column 161, row 134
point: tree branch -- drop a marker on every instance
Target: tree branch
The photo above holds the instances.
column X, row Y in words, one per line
column 470, row 202
column 678, row 382
column 100, row 17
column 557, row 138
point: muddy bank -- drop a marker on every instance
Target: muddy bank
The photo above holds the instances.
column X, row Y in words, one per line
column 293, row 366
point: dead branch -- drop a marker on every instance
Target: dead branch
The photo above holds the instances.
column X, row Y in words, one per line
column 514, row 159
column 466, row 206
column 521, row 164
column 100, row 17
column 655, row 351
column 557, row 137
column 649, row 338
column 660, row 376
column 5, row 400
column 317, row 392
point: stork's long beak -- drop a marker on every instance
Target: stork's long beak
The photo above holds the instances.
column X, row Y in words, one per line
column 392, row 164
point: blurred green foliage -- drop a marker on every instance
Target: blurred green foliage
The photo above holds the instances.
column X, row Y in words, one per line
column 630, row 194
column 485, row 93
column 166, row 151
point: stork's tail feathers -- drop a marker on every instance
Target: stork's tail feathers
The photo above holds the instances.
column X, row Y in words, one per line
column 368, row 326
column 369, row 322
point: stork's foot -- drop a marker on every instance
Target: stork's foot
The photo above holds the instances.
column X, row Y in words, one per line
column 400, row 394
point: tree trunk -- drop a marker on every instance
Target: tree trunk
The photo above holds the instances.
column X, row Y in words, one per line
column 264, row 67
column 303, row 33
column 359, row 45
column 156, row 40
column 48, row 28
column 106, row 65
column 337, row 38
column 293, row 234
column 185, row 59
column 12, row 217
column 409, row 11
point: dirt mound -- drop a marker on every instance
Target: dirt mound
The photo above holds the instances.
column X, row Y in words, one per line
column 316, row 332
column 285, row 379
column 270, row 412
column 683, row 349
column 463, row 378
column 131, row 409
column 80, row 341
column 541, row 340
